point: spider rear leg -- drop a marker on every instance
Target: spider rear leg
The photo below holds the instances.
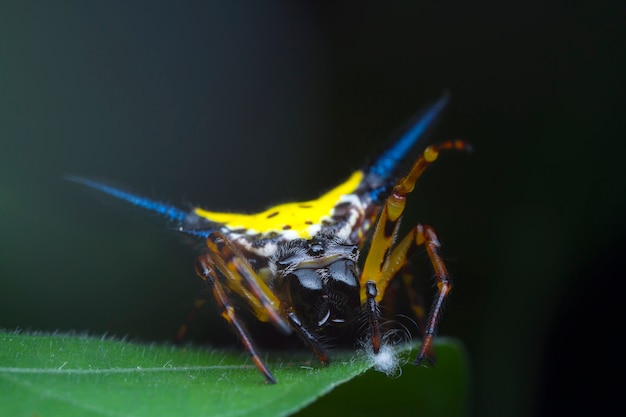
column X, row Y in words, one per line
column 205, row 270
column 382, row 263
column 191, row 316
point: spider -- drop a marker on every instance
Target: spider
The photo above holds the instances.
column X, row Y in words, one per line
column 297, row 265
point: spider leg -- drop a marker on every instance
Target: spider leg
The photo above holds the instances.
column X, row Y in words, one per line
column 418, row 236
column 425, row 235
column 205, row 270
column 198, row 303
column 242, row 279
column 416, row 301
column 382, row 263
column 404, row 284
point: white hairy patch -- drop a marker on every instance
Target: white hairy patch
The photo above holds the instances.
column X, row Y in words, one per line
column 386, row 360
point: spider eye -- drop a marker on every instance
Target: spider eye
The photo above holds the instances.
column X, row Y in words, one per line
column 316, row 249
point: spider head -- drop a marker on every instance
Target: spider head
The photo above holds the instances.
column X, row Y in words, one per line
column 319, row 281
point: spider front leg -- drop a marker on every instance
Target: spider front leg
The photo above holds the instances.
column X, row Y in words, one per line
column 236, row 275
column 241, row 278
column 206, row 271
column 425, row 235
column 382, row 263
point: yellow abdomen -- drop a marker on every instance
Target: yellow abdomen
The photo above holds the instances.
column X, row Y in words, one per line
column 302, row 218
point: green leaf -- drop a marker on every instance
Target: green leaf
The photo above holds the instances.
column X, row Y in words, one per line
column 72, row 375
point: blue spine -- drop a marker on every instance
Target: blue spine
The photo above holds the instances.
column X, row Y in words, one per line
column 385, row 165
column 169, row 212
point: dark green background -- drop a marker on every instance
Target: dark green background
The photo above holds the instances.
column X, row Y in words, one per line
column 238, row 105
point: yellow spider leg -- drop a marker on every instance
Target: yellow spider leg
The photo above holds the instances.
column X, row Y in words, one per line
column 206, row 271
column 241, row 278
column 377, row 271
column 387, row 225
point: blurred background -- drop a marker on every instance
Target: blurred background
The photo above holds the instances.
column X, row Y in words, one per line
column 236, row 105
